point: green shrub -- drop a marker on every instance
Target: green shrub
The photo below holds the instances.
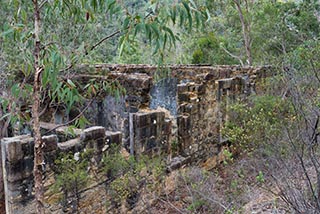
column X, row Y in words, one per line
column 127, row 176
column 71, row 176
column 257, row 122
column 208, row 51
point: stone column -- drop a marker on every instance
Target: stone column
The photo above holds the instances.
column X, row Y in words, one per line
column 14, row 171
column 148, row 133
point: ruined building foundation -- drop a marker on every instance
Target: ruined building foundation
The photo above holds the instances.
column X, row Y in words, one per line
column 178, row 115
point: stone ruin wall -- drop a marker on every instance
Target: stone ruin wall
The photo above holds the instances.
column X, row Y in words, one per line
column 179, row 116
column 193, row 100
column 17, row 157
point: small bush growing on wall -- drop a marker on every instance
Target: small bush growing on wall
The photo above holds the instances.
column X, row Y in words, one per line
column 127, row 177
column 114, row 163
column 71, row 177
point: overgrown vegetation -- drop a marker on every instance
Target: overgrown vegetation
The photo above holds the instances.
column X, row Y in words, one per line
column 274, row 136
column 72, row 176
column 128, row 177
column 39, row 58
column 282, row 130
column 258, row 122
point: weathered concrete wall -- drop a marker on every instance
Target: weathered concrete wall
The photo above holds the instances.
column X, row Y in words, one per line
column 164, row 94
column 179, row 116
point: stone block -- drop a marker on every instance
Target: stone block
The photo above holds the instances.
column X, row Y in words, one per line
column 137, row 80
column 134, row 109
column 212, row 75
column 13, row 149
column 201, row 89
column 98, row 145
column 191, row 108
column 93, row 133
column 183, row 97
column 113, row 137
column 182, row 88
column 225, row 73
column 182, row 108
column 15, row 170
column 133, row 99
column 178, row 162
column 184, row 123
column 70, row 145
column 154, row 118
column 27, row 147
column 50, row 142
column 160, row 119
column 166, row 128
column 154, row 130
column 191, row 87
column 142, row 133
column 225, row 83
column 142, row 119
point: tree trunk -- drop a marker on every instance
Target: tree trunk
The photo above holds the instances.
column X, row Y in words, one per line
column 245, row 32
column 38, row 144
column 318, row 190
column 2, row 195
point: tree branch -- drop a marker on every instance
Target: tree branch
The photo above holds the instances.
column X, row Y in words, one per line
column 112, row 35
column 245, row 31
column 102, row 40
column 232, row 55
column 42, row 4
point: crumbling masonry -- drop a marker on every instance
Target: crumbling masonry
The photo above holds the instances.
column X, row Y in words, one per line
column 179, row 115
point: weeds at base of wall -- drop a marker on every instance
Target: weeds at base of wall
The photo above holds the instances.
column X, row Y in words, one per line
column 71, row 177
column 129, row 177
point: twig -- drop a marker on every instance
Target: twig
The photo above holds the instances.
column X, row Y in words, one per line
column 42, row 4
column 67, row 68
column 171, row 205
column 302, row 164
column 189, row 190
column 212, row 200
column 232, row 55
column 112, row 35
column 102, row 40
